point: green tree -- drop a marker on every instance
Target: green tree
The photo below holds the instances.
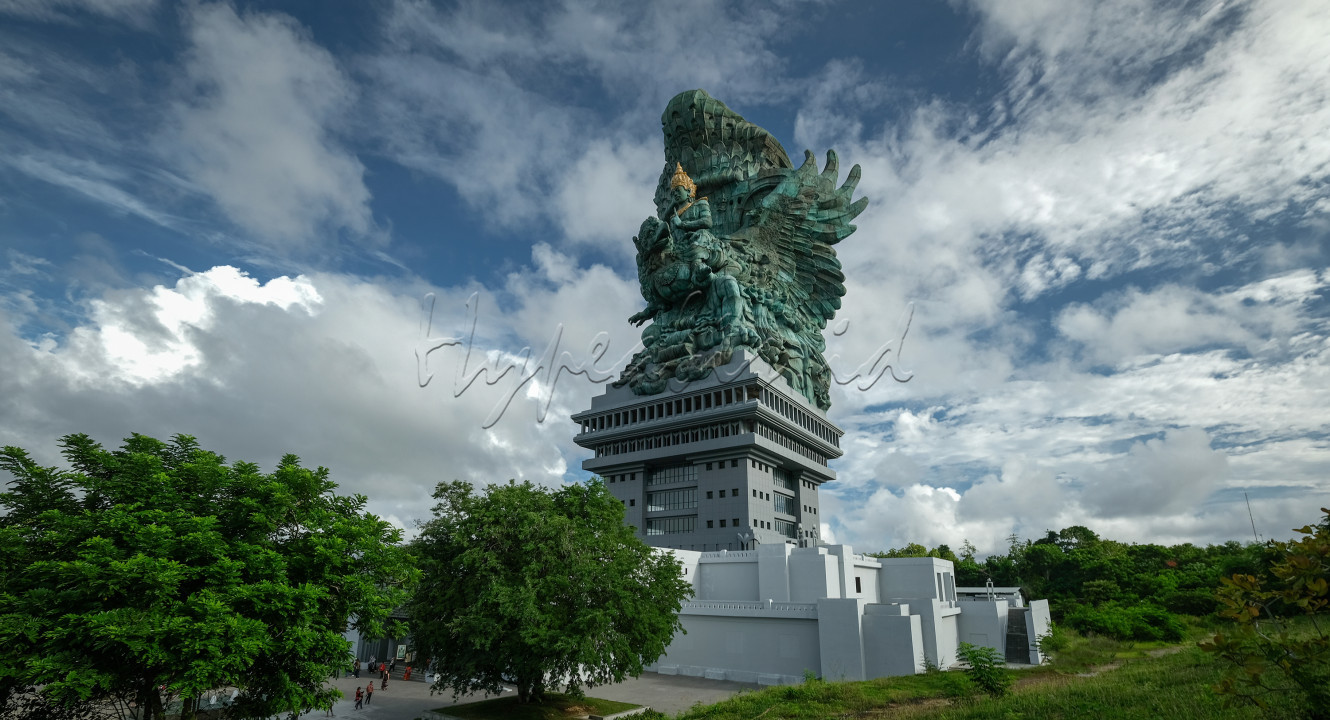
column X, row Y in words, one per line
column 161, row 566
column 1265, row 656
column 913, row 550
column 535, row 587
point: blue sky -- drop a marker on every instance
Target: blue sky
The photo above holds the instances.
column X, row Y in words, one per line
column 1109, row 221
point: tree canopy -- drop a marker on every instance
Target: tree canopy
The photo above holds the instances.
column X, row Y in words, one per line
column 1124, row 590
column 1263, row 654
column 532, row 587
column 159, row 565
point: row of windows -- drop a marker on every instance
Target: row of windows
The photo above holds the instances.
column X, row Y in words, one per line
column 734, row 493
column 722, row 523
column 784, row 504
column 672, row 500
column 671, row 526
column 672, row 474
column 781, row 478
column 733, row 464
column 789, row 443
column 624, row 478
column 697, row 434
column 669, row 408
column 786, row 528
column 810, row 509
column 800, row 417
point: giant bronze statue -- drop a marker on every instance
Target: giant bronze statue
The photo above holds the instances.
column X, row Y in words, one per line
column 739, row 254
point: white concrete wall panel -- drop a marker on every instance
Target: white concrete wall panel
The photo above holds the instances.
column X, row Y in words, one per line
column 727, row 581
column 1039, row 623
column 774, row 572
column 743, row 649
column 813, row 575
column 893, row 641
column 841, row 638
column 983, row 623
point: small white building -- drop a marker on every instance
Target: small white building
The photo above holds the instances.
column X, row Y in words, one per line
column 772, row 614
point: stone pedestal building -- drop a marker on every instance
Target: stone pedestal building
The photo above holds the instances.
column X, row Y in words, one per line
column 725, row 463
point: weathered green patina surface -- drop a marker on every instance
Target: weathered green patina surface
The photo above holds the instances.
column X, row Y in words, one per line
column 739, row 254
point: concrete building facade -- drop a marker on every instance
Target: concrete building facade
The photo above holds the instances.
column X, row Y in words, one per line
column 724, row 472
column 726, row 463
column 772, row 614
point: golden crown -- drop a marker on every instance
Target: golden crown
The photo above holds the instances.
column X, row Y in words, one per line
column 681, row 179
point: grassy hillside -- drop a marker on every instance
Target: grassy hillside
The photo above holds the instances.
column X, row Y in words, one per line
column 1127, row 681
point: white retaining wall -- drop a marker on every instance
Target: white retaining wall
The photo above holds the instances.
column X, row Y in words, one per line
column 772, row 614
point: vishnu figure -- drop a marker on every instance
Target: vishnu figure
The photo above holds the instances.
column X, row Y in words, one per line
column 689, row 264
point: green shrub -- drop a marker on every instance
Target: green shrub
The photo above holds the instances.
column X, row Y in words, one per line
column 1137, row 622
column 985, row 668
column 1055, row 640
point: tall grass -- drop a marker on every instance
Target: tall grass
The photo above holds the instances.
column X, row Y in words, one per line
column 1176, row 684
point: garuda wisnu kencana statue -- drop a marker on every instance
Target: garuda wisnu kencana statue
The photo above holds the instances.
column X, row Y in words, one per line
column 739, row 254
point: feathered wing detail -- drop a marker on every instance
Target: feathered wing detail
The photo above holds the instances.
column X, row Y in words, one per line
column 791, row 271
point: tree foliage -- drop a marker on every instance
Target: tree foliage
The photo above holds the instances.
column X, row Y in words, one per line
column 538, row 588
column 1265, row 654
column 985, row 668
column 159, row 565
column 1123, row 590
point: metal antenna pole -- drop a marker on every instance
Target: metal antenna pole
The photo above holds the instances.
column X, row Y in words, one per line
column 1249, row 516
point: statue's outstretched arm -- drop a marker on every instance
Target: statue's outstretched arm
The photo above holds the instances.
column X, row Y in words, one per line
column 646, row 314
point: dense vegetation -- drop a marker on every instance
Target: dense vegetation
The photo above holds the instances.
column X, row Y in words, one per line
column 1123, row 590
column 149, row 575
column 537, row 588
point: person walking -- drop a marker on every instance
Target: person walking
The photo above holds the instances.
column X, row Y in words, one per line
column 369, row 692
column 356, row 668
column 360, row 698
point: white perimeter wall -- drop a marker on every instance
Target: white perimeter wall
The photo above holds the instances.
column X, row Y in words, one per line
column 731, row 580
column 770, row 651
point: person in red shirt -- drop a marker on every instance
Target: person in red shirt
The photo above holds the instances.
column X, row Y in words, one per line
column 360, row 697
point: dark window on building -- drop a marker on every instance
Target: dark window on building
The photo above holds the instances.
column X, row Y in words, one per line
column 858, row 585
column 722, row 523
column 754, row 493
column 736, row 522
column 632, row 503
column 708, row 494
column 673, row 474
column 708, row 523
column 736, row 492
column 734, row 463
column 722, row 493
column 708, row 466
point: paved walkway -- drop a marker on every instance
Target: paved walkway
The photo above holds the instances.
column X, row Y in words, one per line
column 408, row 700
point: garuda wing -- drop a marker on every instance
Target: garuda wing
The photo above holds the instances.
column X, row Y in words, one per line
column 794, row 221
